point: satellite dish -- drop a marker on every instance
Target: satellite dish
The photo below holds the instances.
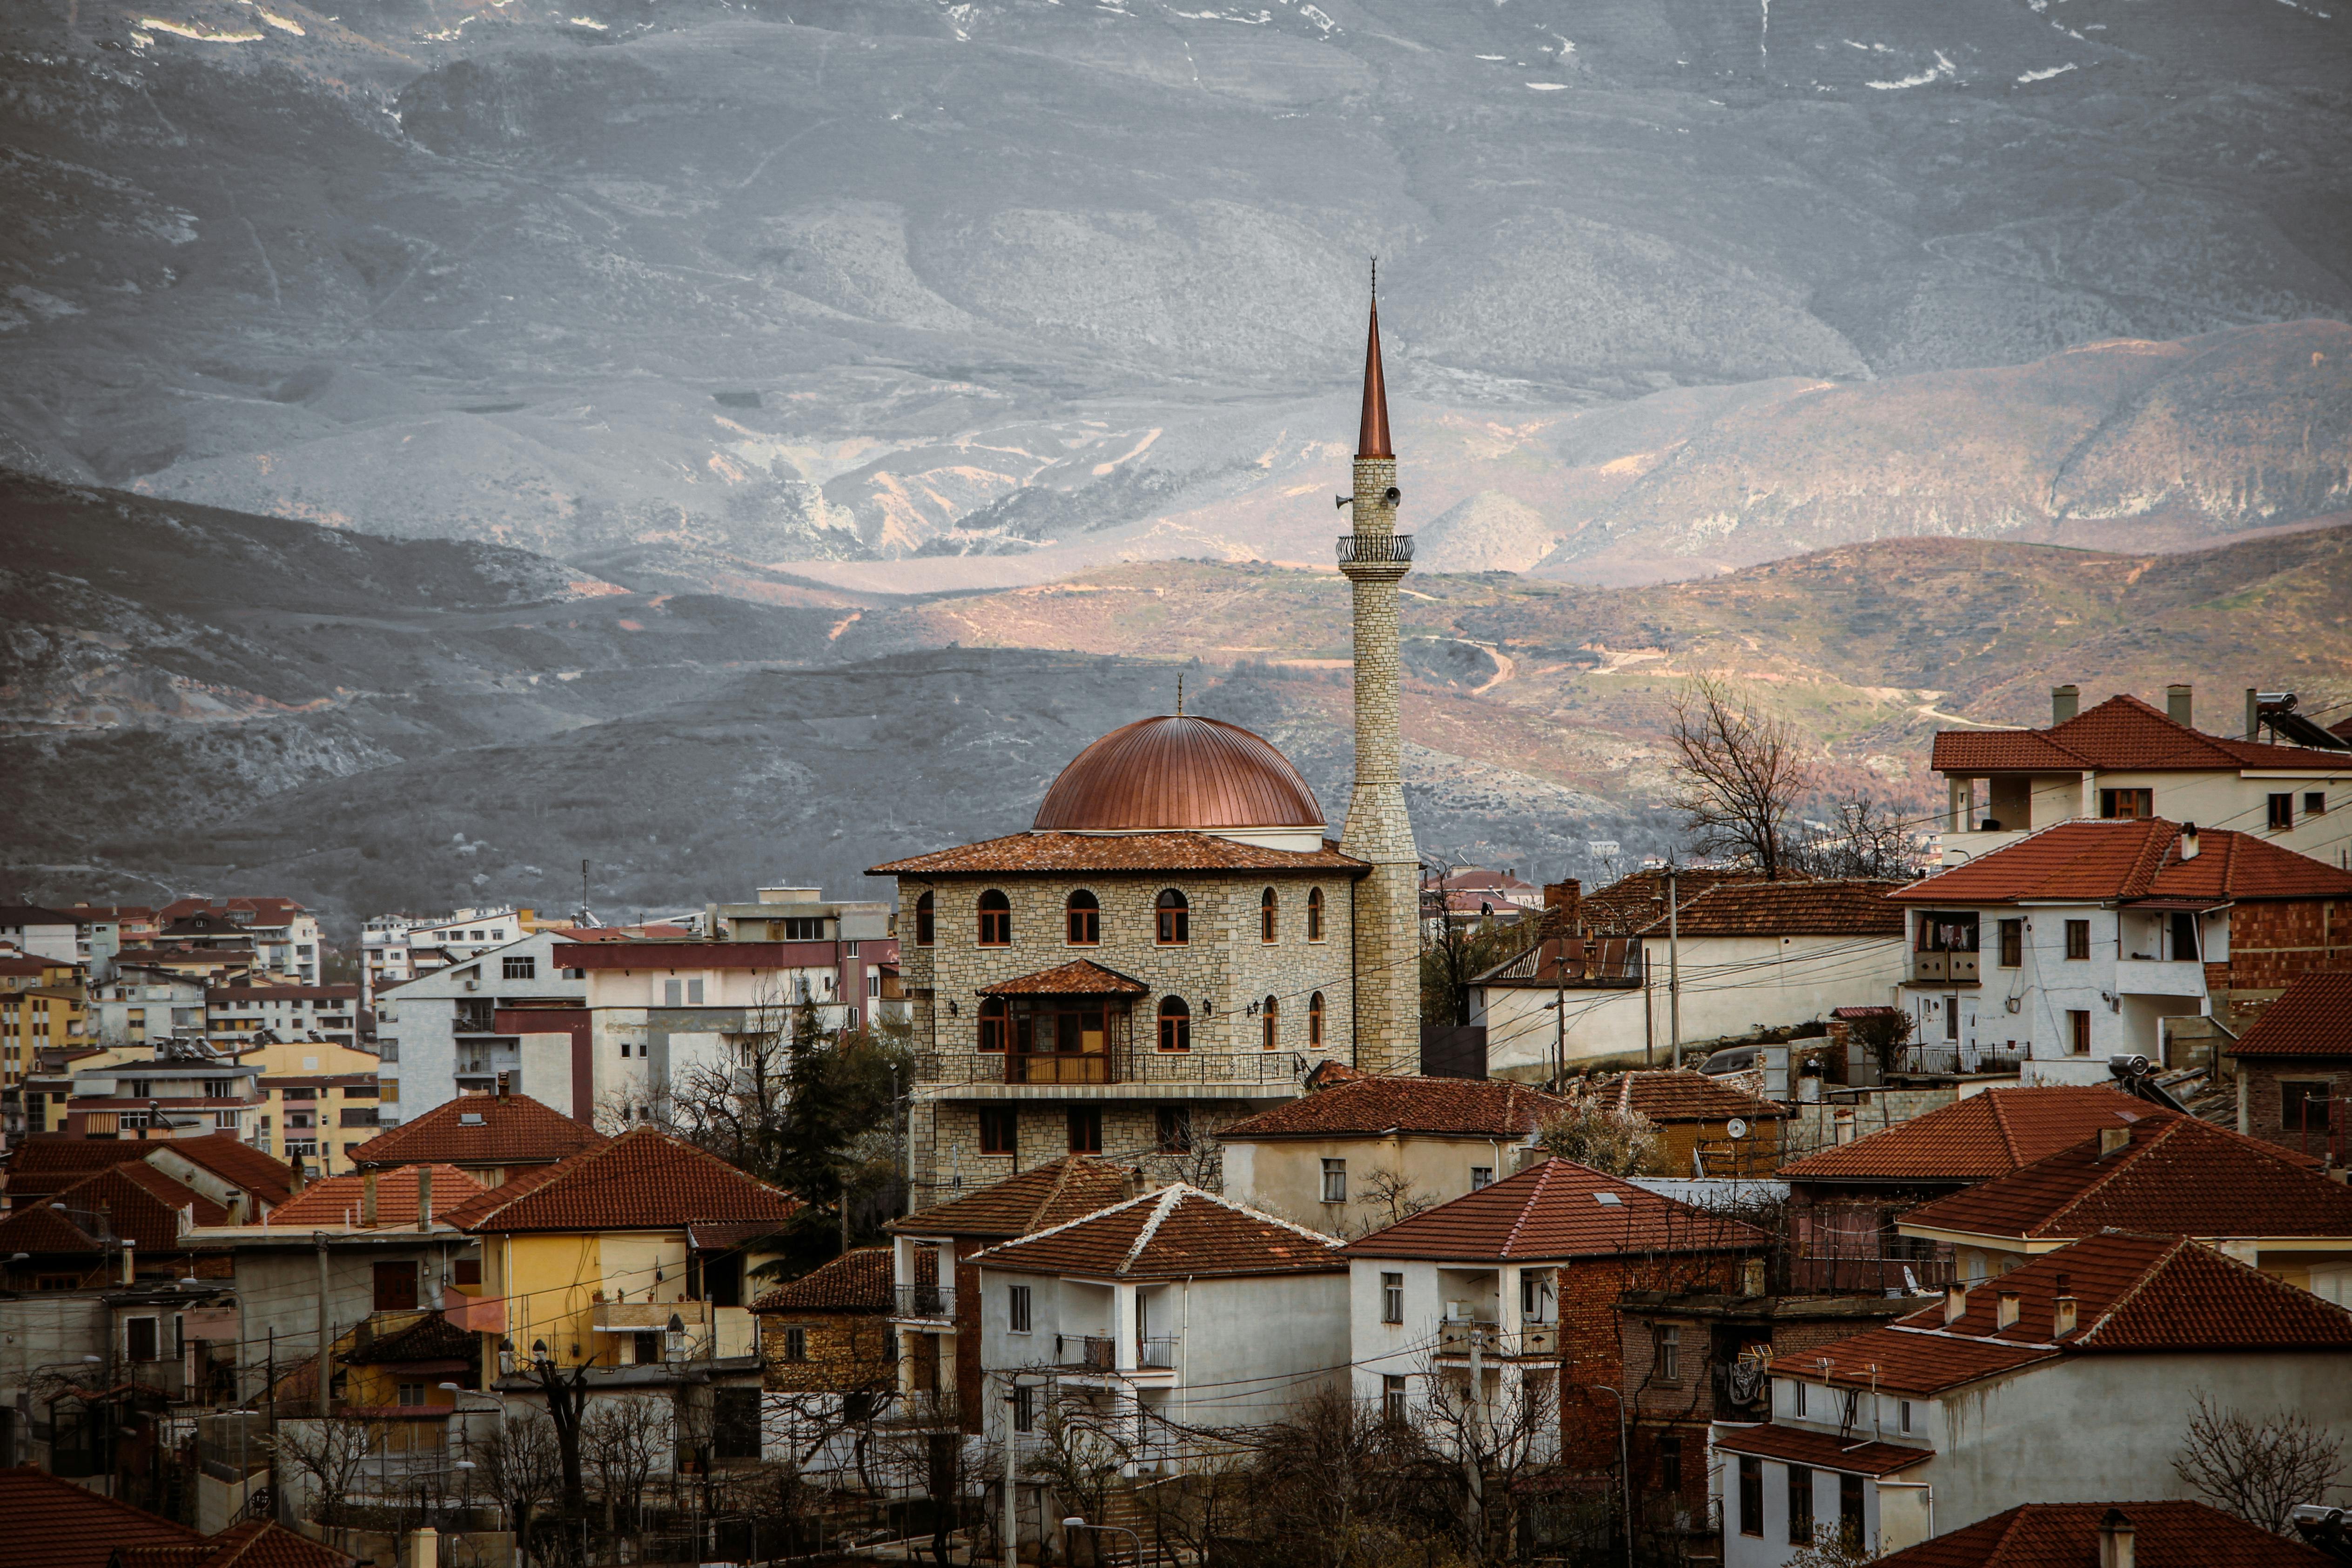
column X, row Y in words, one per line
column 1736, row 1127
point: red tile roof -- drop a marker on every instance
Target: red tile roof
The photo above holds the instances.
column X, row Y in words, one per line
column 430, row 1338
column 1368, row 1106
column 39, row 1167
column 1177, row 1233
column 2121, row 733
column 1557, row 1209
column 1047, row 1195
column 642, row 1180
column 2175, row 1175
column 512, row 1130
column 2313, row 1018
column 1743, row 908
column 1685, row 1095
column 56, row 1524
column 256, row 1544
column 857, row 1281
column 1987, row 1134
column 525, row 1180
column 1078, row 978
column 2087, row 861
column 1632, row 903
column 1172, row 852
column 240, row 1165
column 331, row 1203
column 2133, row 1294
column 2170, row 1534
column 142, row 1204
column 1823, row 1450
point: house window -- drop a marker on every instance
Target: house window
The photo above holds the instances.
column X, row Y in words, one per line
column 1315, row 1021
column 1084, row 915
column 2012, row 944
column 139, row 1339
column 644, row 1349
column 1172, row 1126
column 1016, row 1309
column 1393, row 1401
column 995, row 919
column 2282, row 812
column 1175, row 919
column 1086, row 1129
column 995, row 1024
column 796, row 1344
column 735, row 1422
column 926, row 920
column 1024, row 1406
column 525, row 967
column 2127, row 805
column 1000, row 1130
column 2078, row 940
column 1535, row 1296
column 1269, row 915
column 1902, row 1416
column 2078, row 1031
column 1797, row 1399
column 1801, row 1505
column 1314, row 915
column 1392, row 1298
column 465, row 1272
column 1481, row 1177
column 408, row 1393
column 2314, row 802
column 395, row 1287
column 673, row 993
column 1669, row 1353
column 2303, row 1105
column 1269, row 1022
column 1335, row 1181
column 805, row 928
column 1850, row 1521
column 1670, row 1465
column 694, row 993
column 1175, row 1024
column 1751, row 1496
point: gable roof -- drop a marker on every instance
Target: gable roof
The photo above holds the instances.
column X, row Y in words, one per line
column 2312, row 1017
column 857, row 1281
column 336, row 1201
column 1178, row 1232
column 1989, row 1133
column 511, row 1130
column 1634, row 901
column 1826, row 1450
column 1750, row 908
column 2093, row 861
column 1685, row 1094
column 644, row 1180
column 1054, row 851
column 2122, row 733
column 1078, row 978
column 2175, row 1175
column 42, row 1165
column 1047, row 1195
column 2169, row 1534
column 240, row 1165
column 2132, row 1293
column 142, row 1207
column 430, row 1338
column 254, row 1544
column 1557, row 1209
column 56, row 1524
column 1368, row 1106
column 527, row 1179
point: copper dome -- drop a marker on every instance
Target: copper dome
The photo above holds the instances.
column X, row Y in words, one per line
column 1179, row 772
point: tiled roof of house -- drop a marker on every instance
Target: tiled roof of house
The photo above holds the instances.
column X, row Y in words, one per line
column 2088, row 860
column 857, row 1281
column 1667, row 1095
column 506, row 1130
column 1078, row 978
column 1824, row 1451
column 1557, row 1209
column 1176, row 1233
column 2173, row 1174
column 1632, row 901
column 643, row 1180
column 331, row 1203
column 167, row 1190
column 1052, row 852
column 2313, row 1018
column 2169, row 1534
column 1367, row 1106
column 1043, row 1196
column 256, row 1544
column 52, row 1523
column 142, row 1204
column 38, row 1167
column 240, row 1165
column 2121, row 733
column 430, row 1338
column 1987, row 1134
column 1751, row 908
column 524, row 1180
column 2132, row 1293
column 33, row 914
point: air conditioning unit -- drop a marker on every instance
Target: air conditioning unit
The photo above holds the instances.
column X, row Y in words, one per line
column 471, row 986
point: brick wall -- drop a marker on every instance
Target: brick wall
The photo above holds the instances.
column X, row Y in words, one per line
column 2265, row 1106
column 2273, row 942
column 1596, row 1347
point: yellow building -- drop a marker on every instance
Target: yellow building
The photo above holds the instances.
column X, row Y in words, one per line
column 40, row 1018
column 322, row 1098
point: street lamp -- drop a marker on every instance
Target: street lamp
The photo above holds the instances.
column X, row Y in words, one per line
column 1074, row 1522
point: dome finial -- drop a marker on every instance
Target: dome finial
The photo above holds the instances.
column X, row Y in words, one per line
column 1179, row 696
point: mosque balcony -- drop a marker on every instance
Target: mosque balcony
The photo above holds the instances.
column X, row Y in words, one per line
column 1374, row 548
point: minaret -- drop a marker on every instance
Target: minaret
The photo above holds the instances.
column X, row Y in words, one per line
column 1375, row 557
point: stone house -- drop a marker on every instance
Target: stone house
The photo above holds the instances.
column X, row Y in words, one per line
column 1706, row 1126
column 828, row 1359
column 2294, row 1069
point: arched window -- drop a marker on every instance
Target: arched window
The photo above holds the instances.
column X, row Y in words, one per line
column 1269, row 915
column 1315, row 1021
column 995, row 919
column 992, row 1024
column 1270, row 1020
column 926, row 920
column 1175, row 1024
column 1085, row 916
column 1175, row 919
column 1314, row 915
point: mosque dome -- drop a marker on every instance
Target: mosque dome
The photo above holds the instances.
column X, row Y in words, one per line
column 1179, row 772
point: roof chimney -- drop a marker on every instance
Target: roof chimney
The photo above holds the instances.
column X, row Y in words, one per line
column 502, row 1084
column 2005, row 1313
column 2177, row 705
column 129, row 1266
column 2112, row 1139
column 424, row 1197
column 2253, row 714
column 296, row 1181
column 1956, row 1302
column 367, row 1200
column 2116, row 1533
column 2188, row 841
column 2065, row 702
column 2062, row 1313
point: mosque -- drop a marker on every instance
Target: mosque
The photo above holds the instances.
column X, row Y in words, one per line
column 1173, row 945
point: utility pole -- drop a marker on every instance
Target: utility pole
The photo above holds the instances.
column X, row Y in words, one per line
column 1473, row 1462
column 1559, row 1012
column 1674, row 964
column 1011, row 1471
column 326, row 1339
column 583, row 893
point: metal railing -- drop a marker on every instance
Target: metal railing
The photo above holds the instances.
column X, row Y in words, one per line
column 1159, row 1349
column 1096, row 1353
column 925, row 1301
column 1395, row 548
column 1287, row 1069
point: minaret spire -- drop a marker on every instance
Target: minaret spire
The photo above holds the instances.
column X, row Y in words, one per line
column 1372, row 435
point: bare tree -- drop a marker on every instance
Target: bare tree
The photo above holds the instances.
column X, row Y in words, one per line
column 330, row 1451
column 1591, row 1131
column 1079, row 1453
column 524, row 1466
column 1863, row 839
column 1452, row 951
column 1885, row 1035
column 2257, row 1468
column 1393, row 1197
column 1740, row 774
column 621, row 1443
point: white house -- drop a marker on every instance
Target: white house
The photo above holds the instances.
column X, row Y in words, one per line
column 1738, row 955
column 43, row 932
column 2077, row 942
column 2070, row 1379
column 517, row 1009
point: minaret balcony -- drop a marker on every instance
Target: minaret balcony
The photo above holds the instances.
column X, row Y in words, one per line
column 1375, row 549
